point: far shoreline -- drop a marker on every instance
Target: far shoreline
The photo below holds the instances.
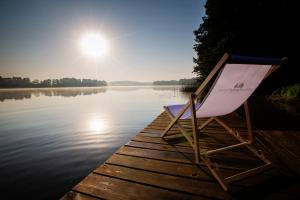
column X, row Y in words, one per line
column 70, row 87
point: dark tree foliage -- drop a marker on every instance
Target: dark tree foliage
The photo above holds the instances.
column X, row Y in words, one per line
column 14, row 82
column 18, row 82
column 250, row 27
column 170, row 82
column 184, row 81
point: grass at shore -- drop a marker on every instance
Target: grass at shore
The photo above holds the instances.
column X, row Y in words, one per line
column 288, row 93
column 189, row 88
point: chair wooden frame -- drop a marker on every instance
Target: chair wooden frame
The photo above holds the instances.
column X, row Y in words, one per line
column 193, row 140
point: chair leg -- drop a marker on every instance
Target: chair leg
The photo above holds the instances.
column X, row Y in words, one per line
column 234, row 133
column 248, row 121
column 214, row 171
column 243, row 142
column 173, row 122
column 184, row 133
column 195, row 131
column 206, row 123
column 175, row 119
column 193, row 142
column 204, row 156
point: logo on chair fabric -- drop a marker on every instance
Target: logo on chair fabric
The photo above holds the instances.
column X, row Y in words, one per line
column 239, row 85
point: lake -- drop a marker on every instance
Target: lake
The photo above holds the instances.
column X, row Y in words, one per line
column 50, row 139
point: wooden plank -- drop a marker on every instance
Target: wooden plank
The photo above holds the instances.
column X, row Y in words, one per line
column 164, row 167
column 113, row 188
column 182, row 169
column 166, row 147
column 204, row 142
column 157, row 140
column 156, row 154
column 209, row 139
column 215, row 136
column 179, row 184
column 188, row 126
column 160, row 130
column 209, row 130
column 221, row 133
column 232, row 118
column 184, row 157
column 185, row 123
column 162, row 147
column 284, row 146
column 72, row 195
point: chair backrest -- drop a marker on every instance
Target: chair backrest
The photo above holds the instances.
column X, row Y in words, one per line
column 234, row 84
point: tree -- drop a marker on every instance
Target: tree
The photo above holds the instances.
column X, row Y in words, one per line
column 251, row 27
column 18, row 82
column 45, row 83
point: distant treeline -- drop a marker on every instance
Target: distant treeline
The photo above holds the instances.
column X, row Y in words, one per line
column 191, row 81
column 18, row 82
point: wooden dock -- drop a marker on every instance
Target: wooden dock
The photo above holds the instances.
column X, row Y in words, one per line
column 148, row 167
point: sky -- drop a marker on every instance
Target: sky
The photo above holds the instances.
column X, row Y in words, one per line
column 148, row 40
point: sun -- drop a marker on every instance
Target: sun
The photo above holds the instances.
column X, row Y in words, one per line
column 93, row 45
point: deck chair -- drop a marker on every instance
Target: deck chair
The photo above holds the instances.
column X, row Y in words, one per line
column 236, row 78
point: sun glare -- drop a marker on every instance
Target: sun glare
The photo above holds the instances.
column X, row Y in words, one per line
column 93, row 45
column 97, row 125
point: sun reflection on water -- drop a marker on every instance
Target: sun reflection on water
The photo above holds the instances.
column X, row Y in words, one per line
column 97, row 124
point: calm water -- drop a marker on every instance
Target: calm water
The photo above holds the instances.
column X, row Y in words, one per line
column 51, row 138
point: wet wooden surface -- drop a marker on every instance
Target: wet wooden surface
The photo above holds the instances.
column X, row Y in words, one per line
column 148, row 167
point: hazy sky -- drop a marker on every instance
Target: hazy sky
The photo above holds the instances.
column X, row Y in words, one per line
column 148, row 39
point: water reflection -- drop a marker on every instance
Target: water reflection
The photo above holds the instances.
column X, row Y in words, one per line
column 14, row 95
column 150, row 87
column 20, row 94
column 97, row 124
column 27, row 93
